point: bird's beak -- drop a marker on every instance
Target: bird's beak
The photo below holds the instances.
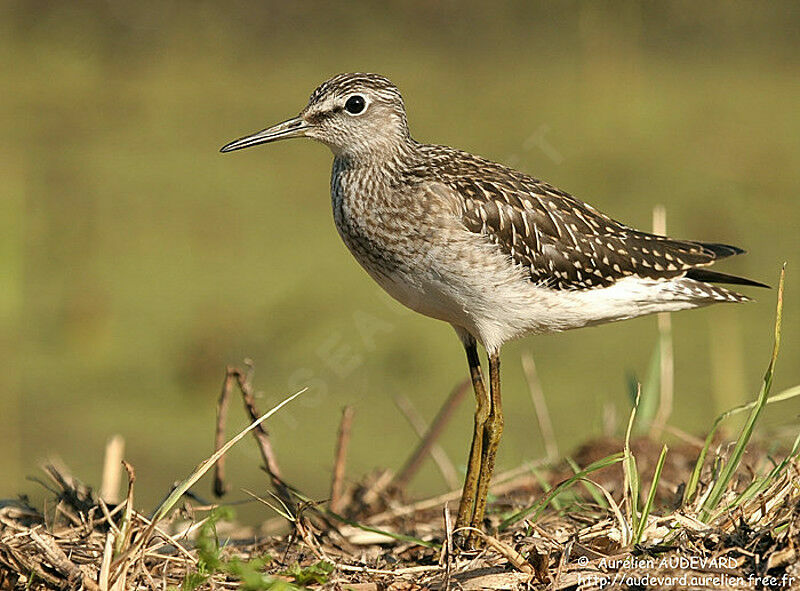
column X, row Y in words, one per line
column 295, row 127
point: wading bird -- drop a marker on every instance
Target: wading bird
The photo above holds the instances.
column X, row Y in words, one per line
column 494, row 252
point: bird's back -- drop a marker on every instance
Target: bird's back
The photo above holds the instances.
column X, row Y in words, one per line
column 564, row 243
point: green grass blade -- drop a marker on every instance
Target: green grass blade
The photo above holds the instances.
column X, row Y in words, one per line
column 691, row 486
column 285, row 512
column 546, row 488
column 597, row 495
column 204, row 466
column 538, row 507
column 775, row 472
column 728, row 470
column 759, row 484
column 648, row 505
column 633, row 485
column 631, row 475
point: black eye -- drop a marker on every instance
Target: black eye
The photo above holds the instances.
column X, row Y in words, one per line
column 355, row 104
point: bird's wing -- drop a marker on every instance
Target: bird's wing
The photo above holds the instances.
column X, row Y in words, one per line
column 567, row 244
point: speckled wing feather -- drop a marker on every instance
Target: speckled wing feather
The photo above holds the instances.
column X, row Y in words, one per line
column 563, row 242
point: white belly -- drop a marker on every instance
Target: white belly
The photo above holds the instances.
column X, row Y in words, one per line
column 497, row 303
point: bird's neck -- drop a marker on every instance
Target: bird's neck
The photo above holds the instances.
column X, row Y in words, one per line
column 376, row 157
column 361, row 181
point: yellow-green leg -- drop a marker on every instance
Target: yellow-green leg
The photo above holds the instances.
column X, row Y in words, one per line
column 466, row 508
column 492, row 431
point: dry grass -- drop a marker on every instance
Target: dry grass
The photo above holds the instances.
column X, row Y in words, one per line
column 623, row 513
column 79, row 541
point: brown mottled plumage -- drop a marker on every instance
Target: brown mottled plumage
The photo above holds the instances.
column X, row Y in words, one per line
column 563, row 242
column 494, row 252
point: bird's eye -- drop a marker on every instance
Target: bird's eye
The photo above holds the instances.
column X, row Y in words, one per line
column 356, row 104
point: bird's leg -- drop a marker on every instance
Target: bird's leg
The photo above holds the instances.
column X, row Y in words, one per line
column 474, row 468
column 492, row 431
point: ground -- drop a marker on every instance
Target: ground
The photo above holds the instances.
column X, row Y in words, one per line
column 580, row 538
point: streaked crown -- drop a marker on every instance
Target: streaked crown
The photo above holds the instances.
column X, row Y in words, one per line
column 357, row 114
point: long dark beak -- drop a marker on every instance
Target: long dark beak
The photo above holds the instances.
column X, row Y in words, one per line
column 295, row 127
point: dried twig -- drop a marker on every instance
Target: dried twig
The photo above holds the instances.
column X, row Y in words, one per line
column 425, row 446
column 112, row 472
column 342, row 443
column 59, row 560
column 105, row 562
column 120, row 567
column 243, row 380
column 220, row 486
column 666, row 360
column 447, row 548
column 540, row 406
column 127, row 519
column 438, row 455
column 261, row 435
column 516, row 559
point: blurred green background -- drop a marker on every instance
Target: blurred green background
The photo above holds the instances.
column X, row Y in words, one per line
column 136, row 261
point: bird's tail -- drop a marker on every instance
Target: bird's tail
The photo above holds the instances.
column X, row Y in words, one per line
column 699, row 285
column 708, row 276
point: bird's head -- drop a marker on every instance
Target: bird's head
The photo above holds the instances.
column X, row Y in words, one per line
column 358, row 115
